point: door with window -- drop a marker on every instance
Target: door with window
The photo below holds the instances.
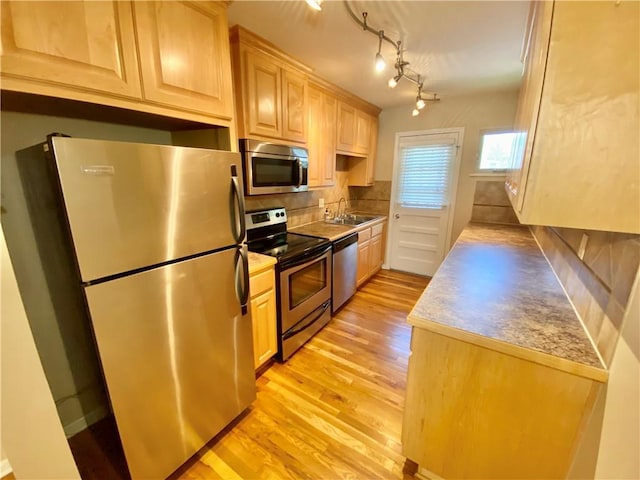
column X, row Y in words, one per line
column 423, row 195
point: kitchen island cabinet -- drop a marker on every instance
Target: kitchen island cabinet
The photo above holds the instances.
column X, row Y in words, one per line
column 262, row 299
column 502, row 374
column 576, row 163
column 163, row 58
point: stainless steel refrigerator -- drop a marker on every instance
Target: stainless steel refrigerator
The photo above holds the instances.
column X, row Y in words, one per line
column 156, row 237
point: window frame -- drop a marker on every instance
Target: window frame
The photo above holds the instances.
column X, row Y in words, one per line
column 483, row 133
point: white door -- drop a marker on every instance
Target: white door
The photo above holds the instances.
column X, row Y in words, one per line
column 426, row 166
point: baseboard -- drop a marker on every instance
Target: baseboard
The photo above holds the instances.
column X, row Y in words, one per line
column 5, row 468
column 86, row 421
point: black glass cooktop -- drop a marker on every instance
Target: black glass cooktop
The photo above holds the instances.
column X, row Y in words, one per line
column 285, row 246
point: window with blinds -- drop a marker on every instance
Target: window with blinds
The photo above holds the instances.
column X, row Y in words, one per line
column 424, row 173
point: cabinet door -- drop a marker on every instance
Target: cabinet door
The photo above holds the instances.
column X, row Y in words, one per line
column 346, row 128
column 363, row 256
column 375, row 253
column 363, row 132
column 294, row 106
column 263, row 316
column 184, row 55
column 82, row 44
column 535, row 62
column 329, row 112
column 263, row 92
column 315, row 172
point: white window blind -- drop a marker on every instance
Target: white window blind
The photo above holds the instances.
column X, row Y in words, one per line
column 424, row 173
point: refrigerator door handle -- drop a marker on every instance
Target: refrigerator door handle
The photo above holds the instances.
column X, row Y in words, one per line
column 237, row 207
column 242, row 277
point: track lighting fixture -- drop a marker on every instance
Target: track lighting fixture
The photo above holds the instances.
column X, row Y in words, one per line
column 401, row 66
column 315, row 4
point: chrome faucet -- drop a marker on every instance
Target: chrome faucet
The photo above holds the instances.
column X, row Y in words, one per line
column 341, row 215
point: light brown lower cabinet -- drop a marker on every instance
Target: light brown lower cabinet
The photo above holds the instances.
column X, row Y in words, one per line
column 473, row 412
column 263, row 314
column 370, row 252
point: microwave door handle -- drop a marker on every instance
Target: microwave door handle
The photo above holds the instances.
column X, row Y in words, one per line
column 237, row 207
column 299, row 163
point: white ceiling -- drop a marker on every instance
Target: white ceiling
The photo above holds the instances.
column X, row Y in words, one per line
column 459, row 47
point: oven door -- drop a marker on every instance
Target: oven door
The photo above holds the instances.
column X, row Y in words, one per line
column 266, row 173
column 304, row 286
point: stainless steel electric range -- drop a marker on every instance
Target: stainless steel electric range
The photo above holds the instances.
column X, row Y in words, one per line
column 303, row 276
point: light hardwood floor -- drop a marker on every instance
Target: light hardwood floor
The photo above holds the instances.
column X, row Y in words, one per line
column 334, row 410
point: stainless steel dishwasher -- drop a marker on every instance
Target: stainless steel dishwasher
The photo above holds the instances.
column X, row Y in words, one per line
column 345, row 265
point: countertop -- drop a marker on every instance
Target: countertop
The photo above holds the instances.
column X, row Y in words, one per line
column 497, row 290
column 257, row 262
column 332, row 231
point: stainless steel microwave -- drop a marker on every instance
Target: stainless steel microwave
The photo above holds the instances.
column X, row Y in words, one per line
column 272, row 168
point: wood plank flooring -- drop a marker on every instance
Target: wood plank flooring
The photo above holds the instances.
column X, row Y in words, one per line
column 334, row 410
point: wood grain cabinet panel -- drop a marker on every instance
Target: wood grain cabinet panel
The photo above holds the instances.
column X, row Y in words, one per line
column 184, row 55
column 363, row 132
column 472, row 412
column 271, row 90
column 263, row 92
column 578, row 118
column 370, row 252
column 321, row 138
column 84, row 44
column 346, row 128
column 263, row 315
column 294, row 106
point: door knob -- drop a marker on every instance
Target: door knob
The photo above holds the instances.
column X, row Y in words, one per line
column 397, row 215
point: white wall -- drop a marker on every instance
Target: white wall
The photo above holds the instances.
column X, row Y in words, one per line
column 32, row 435
column 474, row 113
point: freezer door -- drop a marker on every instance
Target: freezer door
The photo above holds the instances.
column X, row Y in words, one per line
column 177, row 356
column 133, row 205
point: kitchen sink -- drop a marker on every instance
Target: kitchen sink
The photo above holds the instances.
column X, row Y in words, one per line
column 351, row 219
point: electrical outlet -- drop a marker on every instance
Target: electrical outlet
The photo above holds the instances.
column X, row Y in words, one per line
column 321, row 203
column 583, row 245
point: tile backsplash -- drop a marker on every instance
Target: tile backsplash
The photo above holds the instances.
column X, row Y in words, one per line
column 491, row 204
column 600, row 284
column 303, row 207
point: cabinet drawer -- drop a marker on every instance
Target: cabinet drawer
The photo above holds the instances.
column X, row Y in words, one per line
column 377, row 229
column 261, row 282
column 364, row 235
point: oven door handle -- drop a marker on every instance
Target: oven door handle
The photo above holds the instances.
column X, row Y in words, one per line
column 294, row 331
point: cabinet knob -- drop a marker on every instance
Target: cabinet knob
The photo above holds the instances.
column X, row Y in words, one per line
column 397, row 215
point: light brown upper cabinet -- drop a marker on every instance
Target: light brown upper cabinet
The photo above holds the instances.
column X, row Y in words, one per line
column 354, row 130
column 322, row 138
column 86, row 45
column 184, row 55
column 271, row 90
column 88, row 51
column 362, row 169
column 578, row 118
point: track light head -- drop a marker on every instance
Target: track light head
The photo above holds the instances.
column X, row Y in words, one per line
column 393, row 81
column 415, row 112
column 380, row 63
column 315, row 4
column 420, row 103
